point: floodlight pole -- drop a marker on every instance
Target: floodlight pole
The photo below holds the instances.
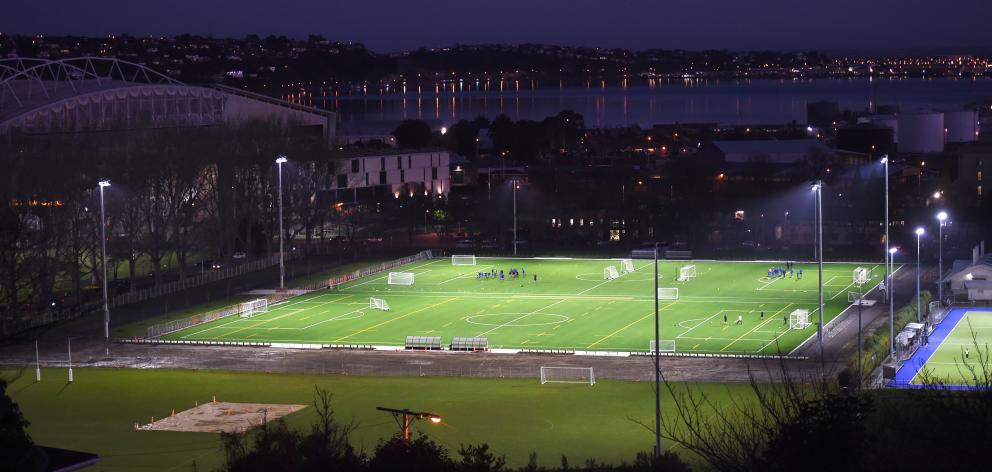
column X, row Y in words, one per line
column 919, row 234
column 280, row 160
column 885, row 162
column 514, row 217
column 892, row 299
column 103, row 251
column 819, row 232
column 861, row 296
column 70, row 359
column 657, row 363
column 407, row 417
column 37, row 363
column 941, row 217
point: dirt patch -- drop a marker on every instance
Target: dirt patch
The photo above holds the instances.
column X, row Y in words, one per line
column 216, row 417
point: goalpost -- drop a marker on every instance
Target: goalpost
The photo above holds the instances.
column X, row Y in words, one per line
column 378, row 304
column 626, row 265
column 465, row 260
column 861, row 276
column 250, row 308
column 610, row 273
column 400, row 278
column 664, row 345
column 665, row 293
column 687, row 272
column 799, row 319
column 581, row 375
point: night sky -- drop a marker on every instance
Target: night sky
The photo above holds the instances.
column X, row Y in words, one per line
column 392, row 25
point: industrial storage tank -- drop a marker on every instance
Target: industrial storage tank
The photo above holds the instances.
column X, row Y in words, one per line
column 961, row 126
column 885, row 121
column 921, row 132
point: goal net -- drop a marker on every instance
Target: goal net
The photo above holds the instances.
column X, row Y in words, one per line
column 861, row 276
column 400, row 278
column 799, row 319
column 610, row 273
column 580, row 375
column 687, row 272
column 378, row 304
column 463, row 260
column 664, row 345
column 668, row 293
column 627, row 265
column 253, row 307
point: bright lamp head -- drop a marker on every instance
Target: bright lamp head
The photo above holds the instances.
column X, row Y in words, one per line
column 920, row 231
column 893, row 250
column 104, row 183
column 885, row 159
column 281, row 159
column 942, row 216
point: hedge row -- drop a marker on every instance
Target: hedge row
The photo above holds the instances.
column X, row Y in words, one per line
column 876, row 346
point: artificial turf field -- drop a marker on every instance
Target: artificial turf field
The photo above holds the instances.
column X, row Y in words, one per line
column 570, row 306
column 96, row 413
column 949, row 362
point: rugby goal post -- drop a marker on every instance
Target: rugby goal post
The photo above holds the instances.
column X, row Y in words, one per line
column 799, row 319
column 400, row 278
column 610, row 273
column 253, row 307
column 687, row 272
column 666, row 293
column 576, row 375
column 861, row 276
column 626, row 265
column 463, row 260
column 378, row 304
column 664, row 345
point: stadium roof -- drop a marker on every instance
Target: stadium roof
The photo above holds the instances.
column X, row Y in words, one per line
column 39, row 96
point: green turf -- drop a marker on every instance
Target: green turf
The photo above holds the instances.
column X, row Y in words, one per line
column 515, row 416
column 569, row 307
column 949, row 363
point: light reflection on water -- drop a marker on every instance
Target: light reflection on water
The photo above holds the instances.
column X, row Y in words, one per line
column 646, row 101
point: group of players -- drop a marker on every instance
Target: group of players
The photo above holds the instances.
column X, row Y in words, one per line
column 513, row 273
column 789, row 270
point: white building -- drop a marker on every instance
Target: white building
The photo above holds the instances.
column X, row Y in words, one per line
column 972, row 282
column 398, row 173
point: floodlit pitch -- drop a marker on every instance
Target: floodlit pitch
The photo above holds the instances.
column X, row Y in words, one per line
column 725, row 307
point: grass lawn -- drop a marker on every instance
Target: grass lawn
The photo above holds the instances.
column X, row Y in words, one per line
column 949, row 361
column 570, row 306
column 515, row 416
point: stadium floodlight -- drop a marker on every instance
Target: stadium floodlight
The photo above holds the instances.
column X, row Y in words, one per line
column 819, row 253
column 919, row 234
column 280, row 160
column 102, row 183
column 408, row 416
column 885, row 163
column 942, row 217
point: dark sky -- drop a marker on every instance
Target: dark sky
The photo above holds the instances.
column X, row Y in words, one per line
column 391, row 25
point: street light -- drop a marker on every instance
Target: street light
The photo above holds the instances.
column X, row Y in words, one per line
column 408, row 416
column 103, row 250
column 892, row 298
column 919, row 234
column 885, row 162
column 942, row 217
column 280, row 160
column 818, row 188
column 516, row 185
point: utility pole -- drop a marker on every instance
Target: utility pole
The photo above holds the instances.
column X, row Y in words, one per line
column 280, row 160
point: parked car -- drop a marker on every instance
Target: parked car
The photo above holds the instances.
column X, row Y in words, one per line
column 239, row 255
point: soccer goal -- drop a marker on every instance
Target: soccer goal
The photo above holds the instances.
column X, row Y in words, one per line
column 462, row 260
column 861, row 276
column 378, row 304
column 581, row 375
column 253, row 307
column 666, row 293
column 626, row 265
column 799, row 319
column 400, row 278
column 610, row 273
column 664, row 345
column 687, row 272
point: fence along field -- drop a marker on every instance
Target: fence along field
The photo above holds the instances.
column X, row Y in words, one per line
column 724, row 308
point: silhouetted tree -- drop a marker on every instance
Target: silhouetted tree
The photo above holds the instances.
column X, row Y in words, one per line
column 413, row 134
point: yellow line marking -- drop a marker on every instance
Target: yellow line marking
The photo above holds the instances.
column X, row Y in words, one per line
column 608, row 336
column 759, row 325
column 397, row 318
